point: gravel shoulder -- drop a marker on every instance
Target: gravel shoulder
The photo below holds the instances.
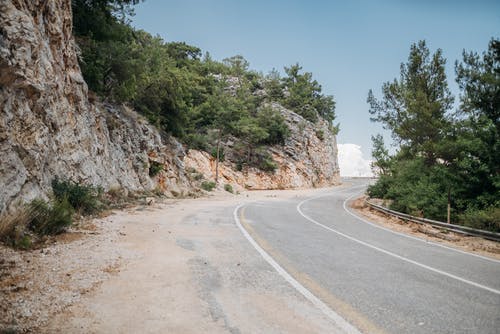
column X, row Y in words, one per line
column 180, row 266
column 470, row 244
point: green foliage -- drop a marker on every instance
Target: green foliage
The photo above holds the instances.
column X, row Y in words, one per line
column 274, row 125
column 228, row 188
column 480, row 81
column 24, row 242
column 267, row 165
column 486, row 219
column 197, row 141
column 380, row 188
column 13, row 228
column 320, row 134
column 208, row 185
column 213, row 153
column 155, row 168
column 414, row 106
column 83, row 198
column 304, row 95
column 440, row 154
column 273, row 87
column 50, row 218
column 264, row 161
column 184, row 94
column 381, row 158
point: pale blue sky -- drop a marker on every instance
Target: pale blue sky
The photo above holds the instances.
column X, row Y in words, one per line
column 350, row 46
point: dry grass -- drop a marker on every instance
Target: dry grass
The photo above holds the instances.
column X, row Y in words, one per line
column 14, row 223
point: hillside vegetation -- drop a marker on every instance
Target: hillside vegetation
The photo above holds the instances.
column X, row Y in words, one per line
column 442, row 154
column 184, row 93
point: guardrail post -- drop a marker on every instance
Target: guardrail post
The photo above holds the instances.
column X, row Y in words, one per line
column 449, row 206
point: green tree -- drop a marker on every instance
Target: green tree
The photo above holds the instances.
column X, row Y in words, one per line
column 462, row 155
column 380, row 154
column 274, row 125
column 273, row 87
column 479, row 78
column 303, row 95
column 414, row 107
column 477, row 139
column 238, row 65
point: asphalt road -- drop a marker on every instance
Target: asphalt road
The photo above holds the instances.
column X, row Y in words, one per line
column 377, row 280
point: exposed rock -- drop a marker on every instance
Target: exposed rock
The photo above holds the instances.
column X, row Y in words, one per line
column 49, row 128
column 306, row 160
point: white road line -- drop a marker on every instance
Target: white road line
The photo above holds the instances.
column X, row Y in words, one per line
column 410, row 236
column 336, row 318
column 394, row 232
column 463, row 280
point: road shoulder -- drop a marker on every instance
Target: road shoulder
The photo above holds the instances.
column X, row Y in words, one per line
column 180, row 266
column 474, row 245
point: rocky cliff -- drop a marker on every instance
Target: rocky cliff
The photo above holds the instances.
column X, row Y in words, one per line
column 308, row 159
column 49, row 128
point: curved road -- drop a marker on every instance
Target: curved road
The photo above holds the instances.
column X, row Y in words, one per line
column 377, row 280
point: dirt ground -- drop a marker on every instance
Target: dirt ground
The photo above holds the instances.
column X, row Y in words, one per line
column 181, row 266
column 466, row 243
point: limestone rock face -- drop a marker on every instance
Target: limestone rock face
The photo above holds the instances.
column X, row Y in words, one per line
column 49, row 128
column 308, row 159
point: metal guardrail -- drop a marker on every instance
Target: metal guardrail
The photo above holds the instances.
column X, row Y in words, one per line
column 449, row 227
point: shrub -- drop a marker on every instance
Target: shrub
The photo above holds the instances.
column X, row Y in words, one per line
column 155, row 168
column 228, row 188
column 380, row 188
column 13, row 228
column 487, row 219
column 320, row 134
column 221, row 153
column 50, row 218
column 208, row 185
column 197, row 141
column 275, row 126
column 83, row 198
column 267, row 165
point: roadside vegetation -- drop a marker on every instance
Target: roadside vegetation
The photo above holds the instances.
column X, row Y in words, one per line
column 40, row 218
column 183, row 92
column 442, row 155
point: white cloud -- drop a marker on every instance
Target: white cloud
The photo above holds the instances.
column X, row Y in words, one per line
column 351, row 161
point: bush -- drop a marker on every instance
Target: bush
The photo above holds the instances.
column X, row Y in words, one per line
column 488, row 219
column 267, row 165
column 213, row 153
column 228, row 188
column 197, row 141
column 275, row 126
column 320, row 134
column 208, row 185
column 155, row 168
column 380, row 188
column 50, row 218
column 13, row 229
column 83, row 198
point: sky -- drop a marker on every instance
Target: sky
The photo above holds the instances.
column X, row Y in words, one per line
column 349, row 46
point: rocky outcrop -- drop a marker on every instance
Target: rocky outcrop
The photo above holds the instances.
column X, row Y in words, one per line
column 49, row 128
column 308, row 159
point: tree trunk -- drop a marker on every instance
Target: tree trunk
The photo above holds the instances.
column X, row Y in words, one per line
column 217, row 160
